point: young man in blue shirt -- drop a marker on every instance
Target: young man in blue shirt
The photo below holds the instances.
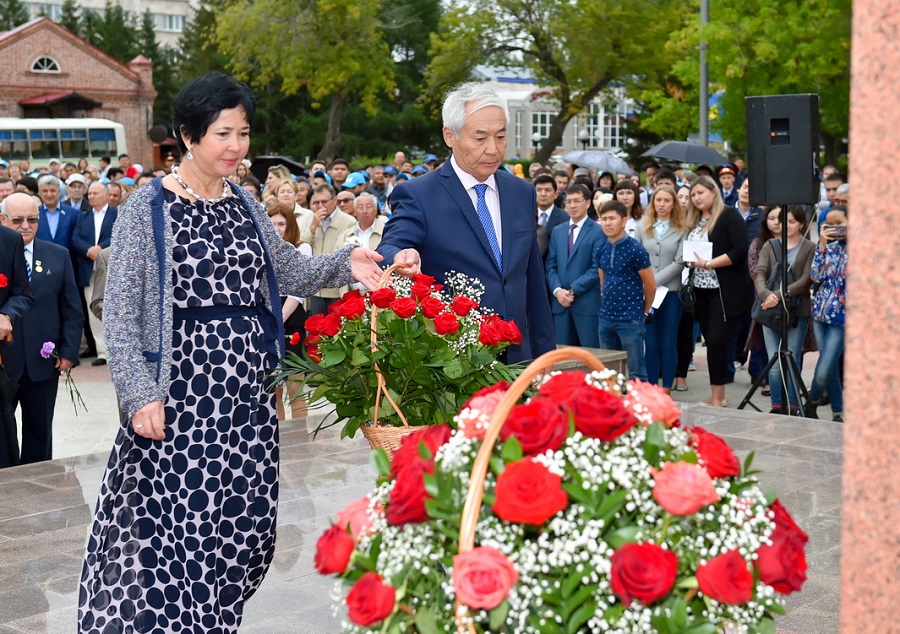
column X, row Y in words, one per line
column 628, row 288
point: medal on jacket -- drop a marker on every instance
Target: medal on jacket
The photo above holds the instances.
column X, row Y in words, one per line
column 38, row 267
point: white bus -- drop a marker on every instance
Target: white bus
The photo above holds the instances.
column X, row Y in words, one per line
column 40, row 140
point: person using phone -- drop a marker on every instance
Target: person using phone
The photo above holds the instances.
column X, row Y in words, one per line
column 829, row 268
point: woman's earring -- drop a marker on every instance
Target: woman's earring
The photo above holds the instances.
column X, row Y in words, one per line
column 189, row 156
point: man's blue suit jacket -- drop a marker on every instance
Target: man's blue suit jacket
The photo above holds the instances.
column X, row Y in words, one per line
column 67, row 219
column 55, row 316
column 434, row 214
column 575, row 271
column 83, row 239
column 15, row 294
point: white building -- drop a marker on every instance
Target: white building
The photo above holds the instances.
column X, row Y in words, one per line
column 532, row 111
column 171, row 16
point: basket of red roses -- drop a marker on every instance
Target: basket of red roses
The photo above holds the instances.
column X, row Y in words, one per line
column 405, row 355
column 586, row 508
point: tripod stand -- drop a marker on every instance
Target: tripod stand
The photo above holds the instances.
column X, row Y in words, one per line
column 790, row 371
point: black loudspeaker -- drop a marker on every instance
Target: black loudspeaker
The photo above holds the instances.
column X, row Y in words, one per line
column 783, row 149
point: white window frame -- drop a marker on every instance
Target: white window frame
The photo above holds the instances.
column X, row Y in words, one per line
column 46, row 64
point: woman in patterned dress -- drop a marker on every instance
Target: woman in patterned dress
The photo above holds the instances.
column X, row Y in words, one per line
column 184, row 529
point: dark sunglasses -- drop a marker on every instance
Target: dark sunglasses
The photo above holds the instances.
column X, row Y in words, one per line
column 32, row 220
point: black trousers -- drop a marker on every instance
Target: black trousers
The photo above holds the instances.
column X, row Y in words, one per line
column 38, row 401
column 717, row 329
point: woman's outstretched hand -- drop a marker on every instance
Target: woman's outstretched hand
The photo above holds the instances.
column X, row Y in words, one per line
column 364, row 266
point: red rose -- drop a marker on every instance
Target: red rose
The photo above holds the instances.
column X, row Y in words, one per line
column 783, row 564
column 421, row 278
column 726, row 578
column 510, row 332
column 446, row 324
column 383, row 297
column 352, row 308
column 295, row 339
column 432, row 436
column 489, row 333
column 715, row 454
column 335, row 307
column 682, row 488
column 370, row 600
column 4, row 281
column 405, row 307
column 528, row 493
column 560, row 386
column 312, row 349
column 313, row 322
column 644, row 572
column 538, row 426
column 483, row 577
column 462, row 305
column 599, row 414
column 333, row 550
column 330, row 325
column 406, row 503
column 420, row 291
column 432, row 307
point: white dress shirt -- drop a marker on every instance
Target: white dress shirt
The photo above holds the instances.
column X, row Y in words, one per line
column 491, row 196
column 98, row 222
column 29, row 255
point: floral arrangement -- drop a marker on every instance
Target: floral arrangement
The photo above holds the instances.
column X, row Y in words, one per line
column 4, row 281
column 48, row 350
column 434, row 347
column 600, row 514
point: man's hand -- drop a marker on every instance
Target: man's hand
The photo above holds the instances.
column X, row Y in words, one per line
column 150, row 421
column 94, row 252
column 5, row 326
column 64, row 365
column 564, row 297
column 410, row 259
column 363, row 264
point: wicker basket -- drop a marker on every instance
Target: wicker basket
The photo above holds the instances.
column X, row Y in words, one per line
column 380, row 436
column 472, row 506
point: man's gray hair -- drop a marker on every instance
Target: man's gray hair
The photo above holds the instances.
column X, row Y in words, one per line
column 365, row 195
column 843, row 189
column 459, row 97
column 105, row 186
column 49, row 179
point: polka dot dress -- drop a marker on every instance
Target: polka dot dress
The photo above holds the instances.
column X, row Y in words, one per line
column 185, row 528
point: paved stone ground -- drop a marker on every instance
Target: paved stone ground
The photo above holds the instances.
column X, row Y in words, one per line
column 45, row 509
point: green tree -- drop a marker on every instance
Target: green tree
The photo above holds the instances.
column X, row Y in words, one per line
column 69, row 16
column 199, row 49
column 147, row 44
column 761, row 47
column 575, row 48
column 332, row 48
column 12, row 14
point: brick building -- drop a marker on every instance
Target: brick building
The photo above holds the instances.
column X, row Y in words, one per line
column 48, row 71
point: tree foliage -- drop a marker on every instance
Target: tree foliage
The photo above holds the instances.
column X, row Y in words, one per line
column 334, row 49
column 70, row 17
column 758, row 47
column 576, row 48
column 12, row 14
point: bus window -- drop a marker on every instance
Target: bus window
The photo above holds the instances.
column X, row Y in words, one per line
column 44, row 143
column 14, row 144
column 103, row 142
column 74, row 142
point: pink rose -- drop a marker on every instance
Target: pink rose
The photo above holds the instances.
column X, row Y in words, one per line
column 649, row 403
column 483, row 577
column 356, row 516
column 476, row 413
column 682, row 488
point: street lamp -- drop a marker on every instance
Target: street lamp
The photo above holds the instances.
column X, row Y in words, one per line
column 535, row 140
column 584, row 136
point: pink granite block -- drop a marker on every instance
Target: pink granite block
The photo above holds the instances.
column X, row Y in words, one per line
column 870, row 542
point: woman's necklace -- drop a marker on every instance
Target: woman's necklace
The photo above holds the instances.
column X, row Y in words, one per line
column 225, row 189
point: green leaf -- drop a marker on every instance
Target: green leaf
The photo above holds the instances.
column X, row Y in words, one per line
column 765, row 626
column 770, row 496
column 611, row 505
column 426, row 622
column 379, row 460
column 688, row 583
column 512, row 450
column 580, row 617
column 689, row 457
column 625, row 535
column 654, row 442
column 701, row 628
column 359, row 358
column 453, row 370
column 425, row 452
column 333, row 357
column 679, row 614
column 498, row 615
column 777, row 608
column 431, row 485
column 748, row 461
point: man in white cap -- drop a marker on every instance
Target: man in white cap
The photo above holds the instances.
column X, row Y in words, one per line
column 77, row 188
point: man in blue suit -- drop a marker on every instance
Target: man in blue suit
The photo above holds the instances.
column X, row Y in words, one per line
column 92, row 234
column 472, row 217
column 571, row 278
column 55, row 316
column 57, row 220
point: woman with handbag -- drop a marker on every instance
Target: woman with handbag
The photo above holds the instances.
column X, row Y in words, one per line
column 772, row 305
column 722, row 286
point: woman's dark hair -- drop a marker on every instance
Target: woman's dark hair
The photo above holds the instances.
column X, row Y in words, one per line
column 201, row 100
column 253, row 182
column 636, row 210
column 610, row 175
column 764, row 234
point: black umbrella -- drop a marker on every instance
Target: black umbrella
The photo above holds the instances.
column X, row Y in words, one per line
column 686, row 152
column 598, row 160
column 9, row 442
column 261, row 164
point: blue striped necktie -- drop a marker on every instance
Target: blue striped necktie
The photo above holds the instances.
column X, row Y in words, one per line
column 28, row 267
column 485, row 217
